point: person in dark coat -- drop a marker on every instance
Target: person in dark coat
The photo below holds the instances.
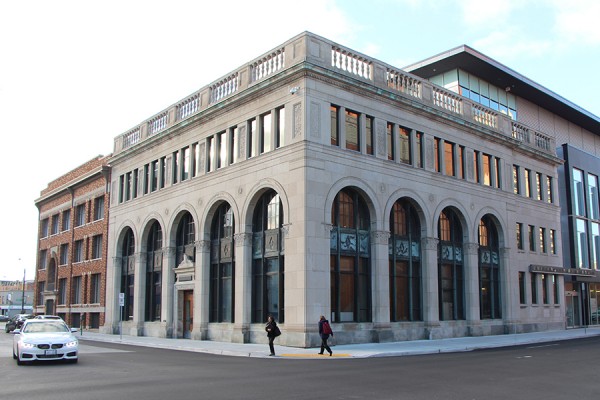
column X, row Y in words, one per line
column 324, row 336
column 272, row 332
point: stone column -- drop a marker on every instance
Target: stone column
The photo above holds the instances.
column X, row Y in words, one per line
column 139, row 294
column 471, row 288
column 429, row 268
column 167, row 292
column 381, row 284
column 113, row 284
column 243, row 287
column 201, row 290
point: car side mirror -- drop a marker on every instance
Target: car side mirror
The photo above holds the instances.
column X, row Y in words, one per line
column 16, row 331
column 74, row 330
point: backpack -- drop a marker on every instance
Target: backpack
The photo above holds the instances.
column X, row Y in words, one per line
column 327, row 328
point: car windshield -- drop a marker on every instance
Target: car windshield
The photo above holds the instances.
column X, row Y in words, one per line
column 50, row 326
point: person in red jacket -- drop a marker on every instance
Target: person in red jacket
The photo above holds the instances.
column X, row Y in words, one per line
column 324, row 332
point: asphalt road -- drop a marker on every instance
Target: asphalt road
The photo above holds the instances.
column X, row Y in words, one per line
column 561, row 370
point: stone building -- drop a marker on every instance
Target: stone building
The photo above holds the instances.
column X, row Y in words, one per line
column 315, row 180
column 72, row 241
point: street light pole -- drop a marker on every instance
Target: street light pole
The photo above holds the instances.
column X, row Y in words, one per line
column 23, row 294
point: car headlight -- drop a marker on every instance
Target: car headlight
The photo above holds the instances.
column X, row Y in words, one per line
column 28, row 345
column 72, row 343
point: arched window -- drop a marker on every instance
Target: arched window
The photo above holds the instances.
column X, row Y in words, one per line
column 154, row 272
column 267, row 259
column 350, row 264
column 128, row 273
column 489, row 270
column 222, row 265
column 405, row 263
column 184, row 242
column 450, row 267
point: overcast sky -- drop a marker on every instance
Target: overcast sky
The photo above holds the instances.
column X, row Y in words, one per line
column 76, row 74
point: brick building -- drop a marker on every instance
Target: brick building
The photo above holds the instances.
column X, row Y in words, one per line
column 71, row 260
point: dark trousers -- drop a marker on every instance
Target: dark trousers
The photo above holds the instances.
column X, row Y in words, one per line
column 324, row 345
column 271, row 346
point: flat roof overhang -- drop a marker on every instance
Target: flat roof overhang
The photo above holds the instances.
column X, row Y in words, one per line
column 471, row 61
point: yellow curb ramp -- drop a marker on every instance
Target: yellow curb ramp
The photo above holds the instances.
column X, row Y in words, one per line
column 343, row 355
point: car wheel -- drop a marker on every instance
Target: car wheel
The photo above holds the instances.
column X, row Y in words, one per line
column 14, row 355
column 6, row 329
column 19, row 362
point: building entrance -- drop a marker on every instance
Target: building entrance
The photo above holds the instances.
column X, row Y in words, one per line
column 188, row 313
column 573, row 317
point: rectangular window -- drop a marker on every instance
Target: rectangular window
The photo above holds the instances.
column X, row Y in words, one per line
column 64, row 254
column 162, row 174
column 41, row 290
column 210, row 144
column 154, row 176
column 555, row 289
column 95, row 288
column 175, row 167
column 233, row 146
column 390, row 140
column 544, row 289
column 419, row 150
column 266, row 139
column 522, row 296
column 487, row 169
column 498, row 172
column 66, row 220
column 538, row 186
column 516, row 179
column 543, row 248
column 534, row 292
column 78, row 255
column 461, row 162
column 279, row 127
column 185, row 167
column 436, row 154
column 370, row 122
column 62, row 291
column 42, row 261
column 552, row 241
column 194, row 160
column 76, row 290
column 54, row 224
column 531, row 235
column 121, row 188
column 146, row 178
column 578, row 196
column 476, row 166
column 549, row 190
column 134, row 183
column 252, row 148
column 80, row 215
column 527, row 182
column 449, row 159
column 128, row 183
column 352, row 131
column 581, row 244
column 404, row 139
column 595, row 245
column 520, row 236
column 97, row 247
column 44, row 228
column 335, row 127
column 222, row 149
column 98, row 208
column 593, row 197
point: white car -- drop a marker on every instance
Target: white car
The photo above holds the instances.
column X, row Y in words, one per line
column 45, row 340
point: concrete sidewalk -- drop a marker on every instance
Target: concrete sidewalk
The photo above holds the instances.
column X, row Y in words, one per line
column 414, row 347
